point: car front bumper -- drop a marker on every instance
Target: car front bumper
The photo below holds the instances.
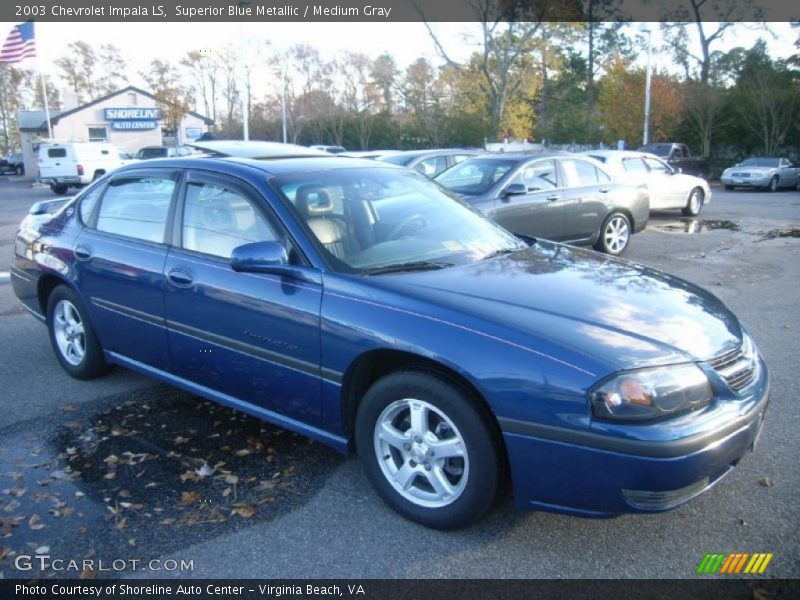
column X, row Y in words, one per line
column 758, row 182
column 609, row 476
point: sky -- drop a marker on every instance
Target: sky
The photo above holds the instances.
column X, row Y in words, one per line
column 141, row 42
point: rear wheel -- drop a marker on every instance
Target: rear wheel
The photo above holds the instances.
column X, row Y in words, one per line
column 694, row 204
column 59, row 188
column 614, row 235
column 427, row 449
column 728, row 187
column 72, row 336
column 19, row 170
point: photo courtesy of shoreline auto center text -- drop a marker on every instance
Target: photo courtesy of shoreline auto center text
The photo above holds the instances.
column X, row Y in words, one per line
column 481, row 298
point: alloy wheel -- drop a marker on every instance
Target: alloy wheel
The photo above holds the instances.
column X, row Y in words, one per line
column 70, row 333
column 421, row 453
column 616, row 234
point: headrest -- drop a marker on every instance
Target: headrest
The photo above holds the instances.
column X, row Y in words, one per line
column 313, row 200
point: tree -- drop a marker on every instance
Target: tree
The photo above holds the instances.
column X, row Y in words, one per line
column 12, row 83
column 203, row 68
column 703, row 107
column 92, row 74
column 360, row 95
column 504, row 58
column 384, row 75
column 174, row 99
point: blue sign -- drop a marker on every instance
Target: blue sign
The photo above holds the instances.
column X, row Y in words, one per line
column 132, row 114
column 134, row 125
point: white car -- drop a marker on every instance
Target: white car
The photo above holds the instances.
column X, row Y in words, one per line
column 668, row 187
column 74, row 164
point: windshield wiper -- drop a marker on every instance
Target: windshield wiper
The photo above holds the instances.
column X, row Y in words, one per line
column 500, row 252
column 420, row 265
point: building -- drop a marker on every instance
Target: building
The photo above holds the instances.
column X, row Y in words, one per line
column 128, row 118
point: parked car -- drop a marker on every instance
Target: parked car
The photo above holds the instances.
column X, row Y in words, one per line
column 330, row 149
column 13, row 163
column 668, row 187
column 556, row 195
column 430, row 162
column 149, row 152
column 364, row 306
column 75, row 164
column 679, row 156
column 769, row 173
column 371, row 154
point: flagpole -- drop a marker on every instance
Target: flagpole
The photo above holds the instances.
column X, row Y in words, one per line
column 44, row 94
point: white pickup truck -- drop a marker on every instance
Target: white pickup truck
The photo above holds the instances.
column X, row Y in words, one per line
column 74, row 164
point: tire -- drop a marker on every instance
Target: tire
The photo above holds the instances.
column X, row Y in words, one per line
column 729, row 187
column 615, row 235
column 773, row 183
column 440, row 492
column 97, row 175
column 19, row 170
column 59, row 188
column 72, row 336
column 694, row 204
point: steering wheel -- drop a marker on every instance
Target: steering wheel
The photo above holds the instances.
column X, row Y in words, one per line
column 423, row 222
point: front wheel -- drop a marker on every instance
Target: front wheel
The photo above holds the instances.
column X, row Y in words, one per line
column 72, row 336
column 614, row 235
column 19, row 170
column 427, row 448
column 773, row 184
column 694, row 204
column 59, row 188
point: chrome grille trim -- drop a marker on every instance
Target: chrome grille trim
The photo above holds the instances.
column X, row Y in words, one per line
column 736, row 368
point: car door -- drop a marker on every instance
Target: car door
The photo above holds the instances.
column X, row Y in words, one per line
column 120, row 255
column 585, row 192
column 538, row 212
column 251, row 336
column 668, row 190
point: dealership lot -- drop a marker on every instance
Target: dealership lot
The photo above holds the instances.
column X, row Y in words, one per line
column 123, row 468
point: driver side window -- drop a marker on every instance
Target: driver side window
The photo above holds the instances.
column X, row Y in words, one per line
column 538, row 176
column 217, row 219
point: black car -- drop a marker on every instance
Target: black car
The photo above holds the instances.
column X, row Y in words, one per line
column 430, row 162
column 558, row 196
column 13, row 164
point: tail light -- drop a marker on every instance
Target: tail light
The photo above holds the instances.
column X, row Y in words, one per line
column 80, row 169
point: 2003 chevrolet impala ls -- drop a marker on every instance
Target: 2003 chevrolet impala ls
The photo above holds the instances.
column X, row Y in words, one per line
column 366, row 307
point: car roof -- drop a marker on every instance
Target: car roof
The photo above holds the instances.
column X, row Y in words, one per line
column 619, row 153
column 255, row 149
column 521, row 156
column 272, row 166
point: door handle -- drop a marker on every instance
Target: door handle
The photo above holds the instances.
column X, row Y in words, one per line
column 83, row 253
column 553, row 197
column 180, row 278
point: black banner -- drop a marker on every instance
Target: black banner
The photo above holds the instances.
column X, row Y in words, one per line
column 405, row 589
column 396, row 10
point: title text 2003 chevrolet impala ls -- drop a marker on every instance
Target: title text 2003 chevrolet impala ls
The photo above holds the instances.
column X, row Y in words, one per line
column 362, row 305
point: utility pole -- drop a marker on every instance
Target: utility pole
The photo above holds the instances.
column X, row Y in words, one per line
column 646, row 136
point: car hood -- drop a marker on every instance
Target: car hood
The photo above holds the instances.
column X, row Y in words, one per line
column 621, row 314
column 753, row 169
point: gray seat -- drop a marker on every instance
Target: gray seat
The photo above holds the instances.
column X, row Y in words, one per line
column 315, row 204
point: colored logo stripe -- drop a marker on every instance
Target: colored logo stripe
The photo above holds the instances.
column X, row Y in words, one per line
column 734, row 562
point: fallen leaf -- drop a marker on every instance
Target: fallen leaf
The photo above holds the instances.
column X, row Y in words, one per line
column 188, row 498
column 122, row 523
column 87, row 573
column 81, row 530
column 132, row 541
column 232, row 479
column 57, row 474
column 16, row 491
column 35, row 522
column 169, row 521
column 766, row 481
column 245, row 511
column 111, row 459
column 68, row 408
column 42, row 550
column 110, row 475
column 124, row 494
column 226, row 492
column 205, row 471
column 242, row 452
column 79, row 494
column 181, row 440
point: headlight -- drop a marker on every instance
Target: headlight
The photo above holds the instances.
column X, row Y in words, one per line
column 649, row 394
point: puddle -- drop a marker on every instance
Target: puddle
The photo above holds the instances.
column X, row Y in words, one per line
column 780, row 233
column 692, row 225
column 157, row 471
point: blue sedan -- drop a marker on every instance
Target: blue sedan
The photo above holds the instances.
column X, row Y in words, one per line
column 366, row 307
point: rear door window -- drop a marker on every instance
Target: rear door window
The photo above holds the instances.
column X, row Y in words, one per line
column 137, row 207
column 579, row 173
column 56, row 153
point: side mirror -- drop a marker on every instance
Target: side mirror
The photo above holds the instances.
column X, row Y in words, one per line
column 259, row 257
column 515, row 189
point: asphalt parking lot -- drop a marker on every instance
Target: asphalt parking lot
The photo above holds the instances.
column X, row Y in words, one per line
column 124, row 468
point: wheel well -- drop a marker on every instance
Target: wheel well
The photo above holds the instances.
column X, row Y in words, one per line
column 99, row 173
column 47, row 283
column 372, row 365
column 699, row 189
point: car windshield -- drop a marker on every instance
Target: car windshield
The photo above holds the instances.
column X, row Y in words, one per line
column 473, row 177
column 760, row 162
column 657, row 149
column 373, row 220
column 146, row 153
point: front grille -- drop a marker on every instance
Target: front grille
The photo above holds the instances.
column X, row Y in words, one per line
column 736, row 368
column 740, row 174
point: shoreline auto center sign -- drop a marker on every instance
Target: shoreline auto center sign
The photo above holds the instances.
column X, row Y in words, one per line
column 132, row 119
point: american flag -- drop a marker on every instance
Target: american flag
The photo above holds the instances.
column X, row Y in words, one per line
column 20, row 43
